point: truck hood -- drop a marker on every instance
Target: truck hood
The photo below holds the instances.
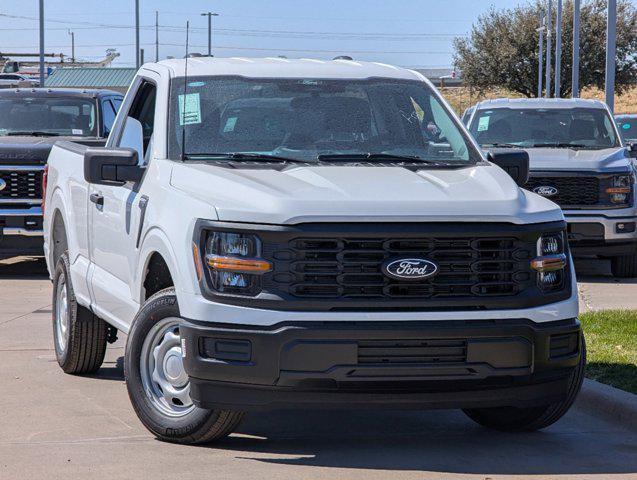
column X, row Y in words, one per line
column 362, row 194
column 26, row 150
column 566, row 159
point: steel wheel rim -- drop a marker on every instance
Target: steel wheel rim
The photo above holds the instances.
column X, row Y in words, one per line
column 162, row 372
column 62, row 314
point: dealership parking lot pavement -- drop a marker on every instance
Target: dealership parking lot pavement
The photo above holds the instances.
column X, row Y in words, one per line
column 56, row 426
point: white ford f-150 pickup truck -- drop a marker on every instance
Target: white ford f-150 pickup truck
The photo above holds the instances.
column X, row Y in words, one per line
column 302, row 233
column 578, row 160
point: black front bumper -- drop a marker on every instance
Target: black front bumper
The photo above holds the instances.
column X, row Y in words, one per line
column 445, row 364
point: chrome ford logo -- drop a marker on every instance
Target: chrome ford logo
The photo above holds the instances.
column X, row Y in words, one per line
column 410, row 268
column 3, row 184
column 545, row 191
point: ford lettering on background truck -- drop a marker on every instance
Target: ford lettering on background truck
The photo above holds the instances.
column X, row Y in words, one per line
column 302, row 233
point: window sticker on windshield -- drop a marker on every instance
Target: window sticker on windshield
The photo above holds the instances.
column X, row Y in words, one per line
column 483, row 124
column 230, row 124
column 77, row 131
column 626, row 126
column 196, row 84
column 190, row 112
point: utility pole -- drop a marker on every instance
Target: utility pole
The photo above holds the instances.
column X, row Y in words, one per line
column 549, row 46
column 209, row 15
column 41, row 43
column 156, row 36
column 540, row 56
column 558, row 50
column 576, row 32
column 72, row 46
column 611, row 48
column 137, row 59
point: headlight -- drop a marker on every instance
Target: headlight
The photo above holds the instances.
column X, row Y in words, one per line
column 620, row 190
column 550, row 264
column 234, row 262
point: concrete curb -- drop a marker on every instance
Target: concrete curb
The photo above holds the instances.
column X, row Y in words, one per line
column 609, row 403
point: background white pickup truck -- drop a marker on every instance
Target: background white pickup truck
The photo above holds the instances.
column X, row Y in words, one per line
column 579, row 161
column 300, row 233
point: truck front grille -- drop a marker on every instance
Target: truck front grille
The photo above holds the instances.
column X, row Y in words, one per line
column 21, row 184
column 575, row 191
column 352, row 267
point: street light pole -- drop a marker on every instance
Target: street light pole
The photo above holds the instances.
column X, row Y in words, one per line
column 41, row 43
column 72, row 34
column 209, row 15
column 558, row 50
column 549, row 46
column 611, row 48
column 540, row 56
column 137, row 59
column 156, row 36
column 576, row 32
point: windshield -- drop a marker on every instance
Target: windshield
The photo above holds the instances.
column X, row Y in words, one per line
column 628, row 128
column 586, row 128
column 47, row 116
column 303, row 119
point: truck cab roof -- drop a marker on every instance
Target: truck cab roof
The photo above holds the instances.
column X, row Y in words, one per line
column 57, row 92
column 540, row 103
column 286, row 68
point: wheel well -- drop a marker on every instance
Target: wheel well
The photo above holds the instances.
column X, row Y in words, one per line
column 58, row 238
column 157, row 276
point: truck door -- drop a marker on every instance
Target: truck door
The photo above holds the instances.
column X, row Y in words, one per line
column 115, row 214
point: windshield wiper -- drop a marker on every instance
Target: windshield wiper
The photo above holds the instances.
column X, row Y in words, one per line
column 256, row 157
column 28, row 133
column 344, row 157
column 558, row 145
column 500, row 145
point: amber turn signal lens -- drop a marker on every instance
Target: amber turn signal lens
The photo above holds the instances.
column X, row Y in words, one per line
column 549, row 263
column 197, row 259
column 243, row 265
column 613, row 190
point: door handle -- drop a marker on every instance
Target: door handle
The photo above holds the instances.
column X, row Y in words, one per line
column 97, row 199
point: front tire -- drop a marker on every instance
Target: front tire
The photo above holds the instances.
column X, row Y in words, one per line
column 512, row 419
column 78, row 335
column 624, row 266
column 157, row 384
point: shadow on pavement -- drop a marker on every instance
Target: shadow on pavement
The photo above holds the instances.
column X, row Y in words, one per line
column 419, row 441
column 110, row 371
column 23, row 267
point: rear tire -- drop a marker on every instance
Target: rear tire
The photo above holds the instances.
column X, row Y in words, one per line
column 624, row 266
column 512, row 419
column 78, row 335
column 157, row 384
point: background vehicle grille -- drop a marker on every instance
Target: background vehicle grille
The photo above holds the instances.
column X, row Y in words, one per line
column 351, row 268
column 572, row 191
column 21, row 184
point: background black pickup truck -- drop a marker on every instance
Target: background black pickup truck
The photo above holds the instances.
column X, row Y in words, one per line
column 31, row 121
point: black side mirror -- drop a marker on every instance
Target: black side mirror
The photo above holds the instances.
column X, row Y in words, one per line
column 632, row 149
column 111, row 166
column 514, row 162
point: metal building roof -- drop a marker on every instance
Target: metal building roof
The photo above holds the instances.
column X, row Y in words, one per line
column 91, row 77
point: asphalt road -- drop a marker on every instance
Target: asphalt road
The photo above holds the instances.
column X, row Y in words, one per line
column 56, row 426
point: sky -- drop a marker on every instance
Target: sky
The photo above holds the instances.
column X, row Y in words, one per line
column 412, row 33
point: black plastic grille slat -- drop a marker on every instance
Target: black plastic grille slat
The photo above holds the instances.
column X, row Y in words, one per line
column 412, row 351
column 572, row 191
column 352, row 267
column 27, row 185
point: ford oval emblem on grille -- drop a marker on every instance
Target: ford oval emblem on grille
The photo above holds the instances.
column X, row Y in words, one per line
column 545, row 191
column 3, row 184
column 410, row 268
